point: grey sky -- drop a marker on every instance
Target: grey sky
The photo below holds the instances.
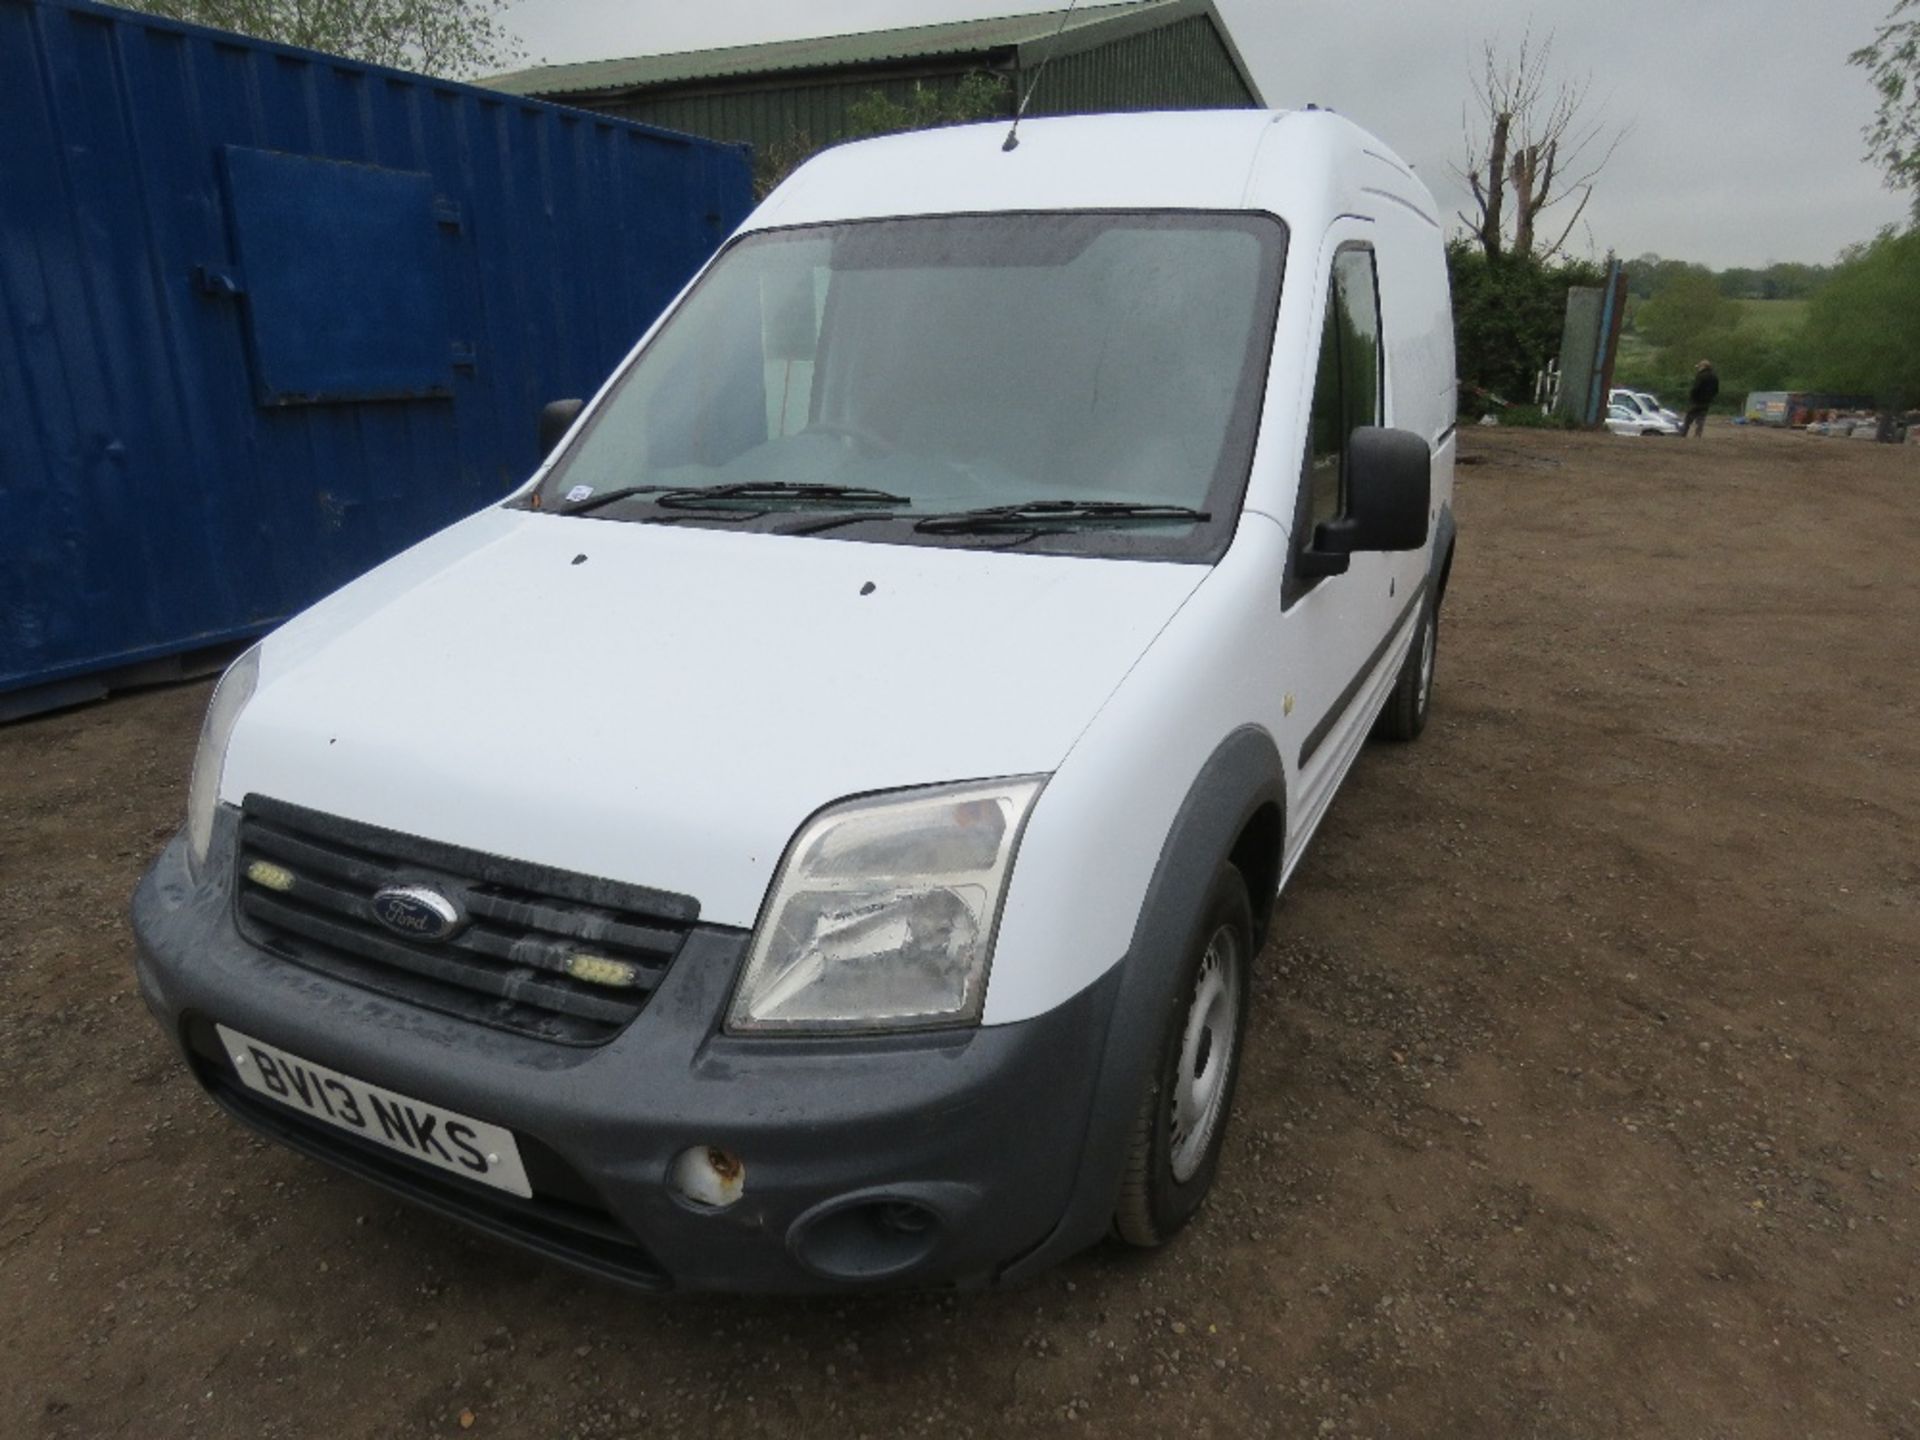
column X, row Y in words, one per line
column 1746, row 118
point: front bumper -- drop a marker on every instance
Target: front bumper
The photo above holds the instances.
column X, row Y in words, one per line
column 982, row 1130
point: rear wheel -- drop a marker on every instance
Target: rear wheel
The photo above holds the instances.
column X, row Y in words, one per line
column 1182, row 1120
column 1405, row 714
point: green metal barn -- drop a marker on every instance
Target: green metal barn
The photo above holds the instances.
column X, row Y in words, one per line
column 1147, row 55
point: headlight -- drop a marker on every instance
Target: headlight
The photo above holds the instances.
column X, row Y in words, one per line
column 230, row 697
column 882, row 916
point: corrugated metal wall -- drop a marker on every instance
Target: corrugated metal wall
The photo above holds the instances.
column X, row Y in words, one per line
column 1178, row 66
column 177, row 465
column 769, row 115
column 1182, row 66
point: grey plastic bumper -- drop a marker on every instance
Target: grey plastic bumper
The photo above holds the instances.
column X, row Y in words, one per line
column 981, row 1130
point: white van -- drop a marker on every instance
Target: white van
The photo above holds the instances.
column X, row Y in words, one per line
column 819, row 831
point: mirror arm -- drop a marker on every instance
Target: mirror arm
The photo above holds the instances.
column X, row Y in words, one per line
column 1331, row 551
column 1337, row 537
column 1319, row 564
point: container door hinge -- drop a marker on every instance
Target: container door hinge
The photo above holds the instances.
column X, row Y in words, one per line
column 446, row 212
column 221, row 281
column 463, row 356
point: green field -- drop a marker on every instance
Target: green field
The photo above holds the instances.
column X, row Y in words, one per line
column 1636, row 364
column 1772, row 317
column 1763, row 325
column 1769, row 317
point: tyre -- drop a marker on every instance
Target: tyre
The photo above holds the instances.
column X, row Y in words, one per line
column 1177, row 1134
column 1405, row 714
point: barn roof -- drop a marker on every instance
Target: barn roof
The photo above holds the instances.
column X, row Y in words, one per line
column 1028, row 36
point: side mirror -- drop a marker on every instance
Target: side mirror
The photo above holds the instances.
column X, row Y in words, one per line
column 1389, row 491
column 556, row 418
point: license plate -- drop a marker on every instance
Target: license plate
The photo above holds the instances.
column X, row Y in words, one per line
column 442, row 1138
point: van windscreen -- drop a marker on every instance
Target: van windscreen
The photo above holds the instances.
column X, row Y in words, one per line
column 948, row 364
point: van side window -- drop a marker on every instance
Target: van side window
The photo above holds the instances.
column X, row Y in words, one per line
column 1346, row 387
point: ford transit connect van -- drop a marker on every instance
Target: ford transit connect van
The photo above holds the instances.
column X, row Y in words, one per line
column 820, row 830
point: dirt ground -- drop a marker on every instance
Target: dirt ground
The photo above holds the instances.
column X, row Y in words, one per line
column 1581, row 1098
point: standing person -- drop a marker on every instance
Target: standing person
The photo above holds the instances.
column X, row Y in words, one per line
column 1706, row 385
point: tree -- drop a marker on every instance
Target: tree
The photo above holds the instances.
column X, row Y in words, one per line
column 1782, row 280
column 977, row 96
column 1648, row 273
column 1690, row 317
column 1531, row 149
column 1892, row 63
column 453, row 38
column 1787, row 281
column 1508, row 312
column 1859, row 333
column 1686, row 307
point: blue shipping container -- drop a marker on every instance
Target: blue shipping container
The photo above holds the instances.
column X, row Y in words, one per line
column 268, row 316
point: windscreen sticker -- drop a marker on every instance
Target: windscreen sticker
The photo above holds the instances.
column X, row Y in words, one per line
column 578, row 493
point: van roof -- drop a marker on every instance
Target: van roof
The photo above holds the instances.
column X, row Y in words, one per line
column 1294, row 163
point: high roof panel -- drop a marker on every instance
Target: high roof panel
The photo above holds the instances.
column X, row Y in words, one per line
column 1183, row 160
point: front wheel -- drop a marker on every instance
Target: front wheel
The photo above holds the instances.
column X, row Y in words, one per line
column 1405, row 713
column 1182, row 1121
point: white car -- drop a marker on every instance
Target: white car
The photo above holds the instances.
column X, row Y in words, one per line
column 1622, row 420
column 1651, row 405
column 1641, row 402
column 820, row 831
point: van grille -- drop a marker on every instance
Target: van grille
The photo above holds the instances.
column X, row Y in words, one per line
column 305, row 892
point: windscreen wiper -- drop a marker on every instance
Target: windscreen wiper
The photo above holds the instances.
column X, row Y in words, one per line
column 816, row 524
column 594, row 502
column 781, row 490
column 1041, row 512
column 676, row 495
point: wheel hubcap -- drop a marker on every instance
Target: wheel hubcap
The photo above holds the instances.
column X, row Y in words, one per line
column 1206, row 1054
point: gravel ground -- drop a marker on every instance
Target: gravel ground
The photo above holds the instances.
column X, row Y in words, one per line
column 1580, row 1098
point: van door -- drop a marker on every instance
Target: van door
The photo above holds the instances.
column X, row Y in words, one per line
column 1342, row 623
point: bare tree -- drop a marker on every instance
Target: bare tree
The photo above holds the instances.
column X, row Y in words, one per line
column 1530, row 147
column 453, row 38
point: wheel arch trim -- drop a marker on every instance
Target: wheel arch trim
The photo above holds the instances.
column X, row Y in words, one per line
column 1440, row 566
column 1243, row 776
